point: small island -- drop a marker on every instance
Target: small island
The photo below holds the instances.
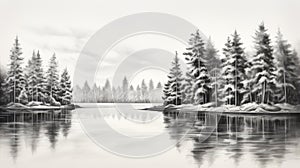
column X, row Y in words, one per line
column 263, row 80
column 30, row 88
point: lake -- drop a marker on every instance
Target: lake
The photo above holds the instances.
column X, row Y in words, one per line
column 109, row 135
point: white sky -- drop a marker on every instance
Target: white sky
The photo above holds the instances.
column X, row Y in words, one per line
column 64, row 26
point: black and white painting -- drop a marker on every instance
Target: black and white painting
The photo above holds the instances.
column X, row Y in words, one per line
column 130, row 83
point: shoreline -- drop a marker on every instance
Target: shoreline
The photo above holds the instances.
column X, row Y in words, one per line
column 221, row 110
column 41, row 108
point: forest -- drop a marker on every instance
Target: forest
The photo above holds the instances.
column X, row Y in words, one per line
column 268, row 74
column 143, row 93
column 29, row 84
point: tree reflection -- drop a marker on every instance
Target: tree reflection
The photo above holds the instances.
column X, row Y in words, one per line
column 16, row 126
column 264, row 138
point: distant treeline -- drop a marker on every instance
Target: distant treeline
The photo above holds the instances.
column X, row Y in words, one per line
column 23, row 84
column 143, row 93
column 269, row 74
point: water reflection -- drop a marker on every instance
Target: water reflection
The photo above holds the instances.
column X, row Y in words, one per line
column 261, row 138
column 18, row 127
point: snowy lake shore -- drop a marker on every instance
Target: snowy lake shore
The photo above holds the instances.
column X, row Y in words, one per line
column 249, row 108
column 19, row 106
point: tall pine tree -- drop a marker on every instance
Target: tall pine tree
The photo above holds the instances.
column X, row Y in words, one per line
column 15, row 81
column 65, row 89
column 287, row 76
column 233, row 71
column 173, row 87
column 263, row 67
column 195, row 57
column 52, row 78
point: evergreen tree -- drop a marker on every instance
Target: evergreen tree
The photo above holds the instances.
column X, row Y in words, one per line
column 187, row 93
column 211, row 56
column 86, row 90
column 144, row 91
column 40, row 79
column 263, row 67
column 167, row 93
column 65, row 93
column 233, row 71
column 107, row 92
column 173, row 89
column 15, row 81
column 195, row 57
column 30, row 76
column 287, row 63
column 138, row 94
column 125, row 90
column 158, row 86
column 52, row 78
column 151, row 85
column 3, row 96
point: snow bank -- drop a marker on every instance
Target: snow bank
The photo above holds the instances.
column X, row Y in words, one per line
column 16, row 106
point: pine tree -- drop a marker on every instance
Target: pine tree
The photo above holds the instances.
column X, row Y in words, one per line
column 263, row 67
column 107, row 92
column 52, row 78
column 65, row 88
column 151, row 85
column 40, row 79
column 15, row 81
column 211, row 56
column 195, row 57
column 173, row 89
column 233, row 71
column 151, row 91
column 144, row 91
column 158, row 86
column 3, row 96
column 187, row 93
column 138, row 94
column 167, row 93
column 287, row 63
column 125, row 90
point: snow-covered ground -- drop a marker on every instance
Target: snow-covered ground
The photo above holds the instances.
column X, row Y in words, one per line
column 249, row 107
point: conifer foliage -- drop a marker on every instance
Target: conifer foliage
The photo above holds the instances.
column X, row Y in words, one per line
column 172, row 90
column 31, row 83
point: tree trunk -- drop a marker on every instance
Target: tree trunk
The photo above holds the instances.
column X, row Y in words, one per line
column 284, row 85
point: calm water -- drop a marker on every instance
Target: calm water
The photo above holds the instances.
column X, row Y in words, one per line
column 58, row 140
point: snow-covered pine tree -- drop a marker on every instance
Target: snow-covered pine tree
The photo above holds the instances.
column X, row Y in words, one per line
column 287, row 70
column 40, row 78
column 175, row 78
column 52, row 78
column 15, row 81
column 213, row 64
column 195, row 57
column 211, row 55
column 167, row 93
column 31, row 77
column 187, row 93
column 227, row 79
column 65, row 88
column 233, row 71
column 3, row 96
column 263, row 67
column 23, row 98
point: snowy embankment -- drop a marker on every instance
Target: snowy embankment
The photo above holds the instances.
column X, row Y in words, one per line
column 36, row 106
column 252, row 108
